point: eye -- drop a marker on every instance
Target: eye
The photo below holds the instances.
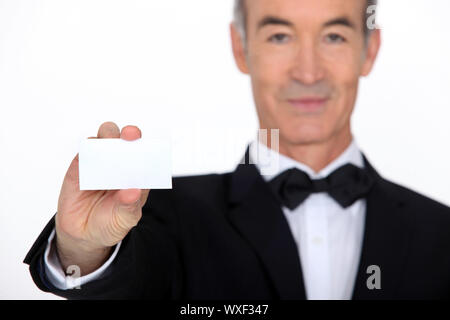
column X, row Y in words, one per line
column 334, row 38
column 279, row 38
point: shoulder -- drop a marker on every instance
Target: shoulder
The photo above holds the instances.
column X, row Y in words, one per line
column 427, row 211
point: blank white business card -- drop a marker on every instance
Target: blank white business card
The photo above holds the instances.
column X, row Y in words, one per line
column 112, row 164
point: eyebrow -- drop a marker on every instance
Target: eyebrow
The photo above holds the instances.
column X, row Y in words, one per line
column 272, row 20
column 342, row 21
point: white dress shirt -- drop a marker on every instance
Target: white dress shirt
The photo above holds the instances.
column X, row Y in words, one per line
column 328, row 237
column 56, row 275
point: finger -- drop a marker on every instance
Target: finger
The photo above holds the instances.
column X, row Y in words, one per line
column 131, row 133
column 108, row 130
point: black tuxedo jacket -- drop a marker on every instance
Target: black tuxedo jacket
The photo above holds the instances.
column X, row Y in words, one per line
column 224, row 236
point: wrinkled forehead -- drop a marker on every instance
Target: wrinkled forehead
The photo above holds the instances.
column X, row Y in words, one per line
column 305, row 13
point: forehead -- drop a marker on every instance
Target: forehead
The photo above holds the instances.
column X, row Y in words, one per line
column 304, row 11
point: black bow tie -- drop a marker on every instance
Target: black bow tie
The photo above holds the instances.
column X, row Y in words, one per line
column 346, row 184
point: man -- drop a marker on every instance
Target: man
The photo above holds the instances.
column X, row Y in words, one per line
column 324, row 225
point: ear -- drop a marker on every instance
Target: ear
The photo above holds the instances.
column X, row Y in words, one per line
column 240, row 56
column 373, row 47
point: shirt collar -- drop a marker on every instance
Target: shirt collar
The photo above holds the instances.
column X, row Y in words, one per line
column 258, row 150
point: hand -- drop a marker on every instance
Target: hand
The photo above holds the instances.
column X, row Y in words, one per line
column 89, row 223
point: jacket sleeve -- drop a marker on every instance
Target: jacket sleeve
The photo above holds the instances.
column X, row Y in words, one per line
column 148, row 264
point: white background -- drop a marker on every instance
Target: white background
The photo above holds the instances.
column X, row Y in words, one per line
column 167, row 66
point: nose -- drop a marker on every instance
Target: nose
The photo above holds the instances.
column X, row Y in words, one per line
column 306, row 63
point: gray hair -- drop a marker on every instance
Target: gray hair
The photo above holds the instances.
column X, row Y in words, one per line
column 240, row 17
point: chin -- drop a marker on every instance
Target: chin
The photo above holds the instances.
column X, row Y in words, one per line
column 303, row 134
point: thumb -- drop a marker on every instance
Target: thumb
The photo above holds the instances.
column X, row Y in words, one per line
column 128, row 208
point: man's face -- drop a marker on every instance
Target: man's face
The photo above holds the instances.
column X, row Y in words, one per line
column 305, row 58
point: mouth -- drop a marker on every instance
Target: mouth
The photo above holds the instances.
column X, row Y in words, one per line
column 309, row 104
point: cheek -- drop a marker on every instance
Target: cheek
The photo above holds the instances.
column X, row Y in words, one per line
column 267, row 78
column 343, row 63
column 344, row 70
column 266, row 70
column 343, row 73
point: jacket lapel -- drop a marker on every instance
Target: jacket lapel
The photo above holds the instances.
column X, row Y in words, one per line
column 258, row 217
column 385, row 243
